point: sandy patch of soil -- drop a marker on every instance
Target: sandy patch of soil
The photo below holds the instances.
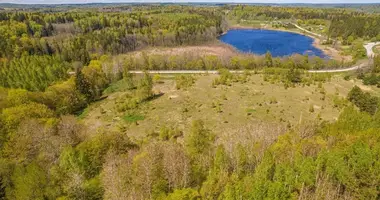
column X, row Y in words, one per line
column 365, row 88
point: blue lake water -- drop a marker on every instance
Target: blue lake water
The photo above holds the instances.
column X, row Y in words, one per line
column 279, row 43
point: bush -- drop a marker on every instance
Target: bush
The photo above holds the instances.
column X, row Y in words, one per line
column 167, row 133
column 339, row 102
column 157, row 78
column 363, row 100
column 64, row 98
column 294, row 75
column 144, row 88
column 184, row 81
column 371, row 79
column 225, row 78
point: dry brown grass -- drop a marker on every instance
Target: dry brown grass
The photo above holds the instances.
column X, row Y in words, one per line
column 218, row 49
column 240, row 106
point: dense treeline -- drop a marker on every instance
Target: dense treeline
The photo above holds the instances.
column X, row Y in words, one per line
column 20, row 32
column 34, row 73
column 192, row 60
column 271, row 12
column 28, row 39
column 356, row 26
column 344, row 22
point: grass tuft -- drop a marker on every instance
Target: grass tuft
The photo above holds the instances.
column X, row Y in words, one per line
column 133, row 118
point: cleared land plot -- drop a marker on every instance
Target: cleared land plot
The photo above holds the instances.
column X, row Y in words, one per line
column 223, row 107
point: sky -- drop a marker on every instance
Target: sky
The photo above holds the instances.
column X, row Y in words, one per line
column 182, row 1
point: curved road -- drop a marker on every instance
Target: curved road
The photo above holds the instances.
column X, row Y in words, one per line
column 368, row 47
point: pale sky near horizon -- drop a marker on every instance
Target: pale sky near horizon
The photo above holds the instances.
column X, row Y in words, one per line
column 182, row 1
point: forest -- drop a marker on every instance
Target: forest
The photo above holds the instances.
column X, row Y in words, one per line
column 343, row 23
column 56, row 63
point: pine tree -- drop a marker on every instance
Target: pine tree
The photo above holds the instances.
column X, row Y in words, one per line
column 83, row 86
column 145, row 87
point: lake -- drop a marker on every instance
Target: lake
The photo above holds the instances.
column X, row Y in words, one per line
column 279, row 43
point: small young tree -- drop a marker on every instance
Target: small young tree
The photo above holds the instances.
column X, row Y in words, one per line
column 199, row 140
column 268, row 59
column 128, row 79
column 184, row 81
column 294, row 75
column 83, row 86
column 145, row 86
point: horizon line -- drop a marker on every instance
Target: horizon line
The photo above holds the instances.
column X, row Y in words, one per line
column 171, row 2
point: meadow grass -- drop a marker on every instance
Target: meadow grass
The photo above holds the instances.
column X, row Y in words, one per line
column 225, row 107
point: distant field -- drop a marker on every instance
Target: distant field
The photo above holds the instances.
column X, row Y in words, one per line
column 249, row 23
column 223, row 107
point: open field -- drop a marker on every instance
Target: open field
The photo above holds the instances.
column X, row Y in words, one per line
column 224, row 107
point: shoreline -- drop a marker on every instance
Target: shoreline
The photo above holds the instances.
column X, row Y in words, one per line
column 328, row 51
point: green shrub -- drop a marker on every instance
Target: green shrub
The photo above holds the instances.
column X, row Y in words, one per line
column 133, row 117
column 184, row 81
column 371, row 79
column 225, row 78
column 363, row 100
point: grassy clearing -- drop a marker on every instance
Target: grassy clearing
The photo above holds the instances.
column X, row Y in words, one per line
column 119, row 86
column 133, row 118
column 250, row 23
column 224, row 107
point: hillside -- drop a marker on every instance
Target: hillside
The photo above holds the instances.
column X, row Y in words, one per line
column 88, row 109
